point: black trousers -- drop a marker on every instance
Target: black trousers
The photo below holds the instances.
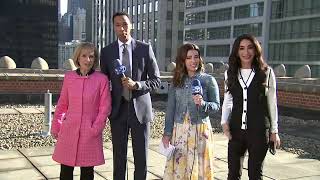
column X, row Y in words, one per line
column 256, row 143
column 120, row 127
column 66, row 173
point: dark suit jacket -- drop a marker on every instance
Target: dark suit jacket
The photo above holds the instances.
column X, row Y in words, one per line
column 144, row 70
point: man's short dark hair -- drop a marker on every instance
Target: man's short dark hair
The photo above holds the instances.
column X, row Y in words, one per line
column 120, row 14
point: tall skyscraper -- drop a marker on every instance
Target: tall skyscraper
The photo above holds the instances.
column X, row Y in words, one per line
column 29, row 29
column 79, row 25
column 89, row 18
column 73, row 5
column 159, row 23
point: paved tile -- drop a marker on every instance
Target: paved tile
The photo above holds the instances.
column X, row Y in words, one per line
column 41, row 109
column 14, row 164
column 53, row 171
column 40, row 161
column 8, row 111
column 38, row 151
column 10, row 154
column 28, row 110
column 21, row 174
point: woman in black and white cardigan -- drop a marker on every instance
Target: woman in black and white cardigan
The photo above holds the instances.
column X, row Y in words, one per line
column 249, row 112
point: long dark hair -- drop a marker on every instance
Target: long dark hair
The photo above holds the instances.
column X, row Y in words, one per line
column 258, row 64
column 180, row 71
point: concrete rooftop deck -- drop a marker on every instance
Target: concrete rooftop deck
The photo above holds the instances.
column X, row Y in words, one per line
column 36, row 164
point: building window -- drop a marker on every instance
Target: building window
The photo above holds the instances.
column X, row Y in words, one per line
column 295, row 29
column 294, row 53
column 219, row 33
column 143, row 25
column 181, row 16
column 155, row 27
column 201, row 50
column 219, row 15
column 195, row 18
column 156, row 6
column 217, row 1
column 168, row 52
column 250, row 10
column 218, row 50
column 195, row 3
column 133, row 10
column 169, row 34
column 289, row 8
column 144, row 8
column 169, row 15
column 180, row 35
column 254, row 29
column 194, row 34
column 150, row 7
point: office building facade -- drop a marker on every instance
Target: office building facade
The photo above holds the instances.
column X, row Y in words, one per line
column 66, row 51
column 288, row 30
column 159, row 23
column 31, row 33
column 214, row 24
column 79, row 25
column 294, row 38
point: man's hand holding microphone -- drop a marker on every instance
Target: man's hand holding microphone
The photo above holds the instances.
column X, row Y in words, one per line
column 127, row 82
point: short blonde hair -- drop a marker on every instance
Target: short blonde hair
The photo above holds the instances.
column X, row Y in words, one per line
column 82, row 46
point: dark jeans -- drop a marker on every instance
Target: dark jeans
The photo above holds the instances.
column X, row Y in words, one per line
column 66, row 173
column 256, row 143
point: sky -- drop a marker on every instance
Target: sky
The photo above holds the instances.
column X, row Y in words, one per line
column 63, row 6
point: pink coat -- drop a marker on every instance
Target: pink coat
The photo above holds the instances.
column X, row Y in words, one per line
column 79, row 119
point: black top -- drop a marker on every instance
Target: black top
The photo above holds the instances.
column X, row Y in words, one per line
column 79, row 73
column 257, row 109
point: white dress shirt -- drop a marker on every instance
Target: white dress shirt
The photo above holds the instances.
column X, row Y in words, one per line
column 129, row 48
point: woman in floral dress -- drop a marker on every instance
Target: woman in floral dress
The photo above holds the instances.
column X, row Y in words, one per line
column 187, row 123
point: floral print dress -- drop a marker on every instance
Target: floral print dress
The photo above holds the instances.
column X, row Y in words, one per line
column 193, row 155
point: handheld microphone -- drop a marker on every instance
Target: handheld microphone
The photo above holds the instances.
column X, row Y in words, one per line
column 120, row 69
column 196, row 87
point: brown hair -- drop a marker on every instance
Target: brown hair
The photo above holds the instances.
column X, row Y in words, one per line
column 82, row 46
column 258, row 64
column 180, row 72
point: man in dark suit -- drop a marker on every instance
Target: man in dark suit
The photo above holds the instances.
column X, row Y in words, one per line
column 134, row 111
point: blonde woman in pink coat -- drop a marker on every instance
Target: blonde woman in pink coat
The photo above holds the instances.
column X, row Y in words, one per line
column 81, row 116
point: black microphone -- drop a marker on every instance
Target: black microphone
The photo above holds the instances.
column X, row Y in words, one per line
column 119, row 68
column 196, row 87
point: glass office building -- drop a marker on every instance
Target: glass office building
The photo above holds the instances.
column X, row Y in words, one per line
column 213, row 24
column 288, row 30
column 29, row 29
column 295, row 35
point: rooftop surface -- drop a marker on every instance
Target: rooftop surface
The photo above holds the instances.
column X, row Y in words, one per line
column 37, row 164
